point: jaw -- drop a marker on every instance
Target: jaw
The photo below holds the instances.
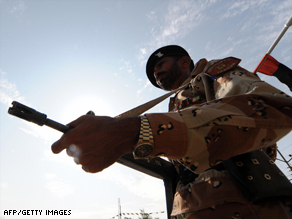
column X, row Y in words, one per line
column 169, row 84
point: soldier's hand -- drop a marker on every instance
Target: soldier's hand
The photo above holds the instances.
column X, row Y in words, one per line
column 97, row 142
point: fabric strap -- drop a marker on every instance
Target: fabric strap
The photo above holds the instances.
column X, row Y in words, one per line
column 146, row 106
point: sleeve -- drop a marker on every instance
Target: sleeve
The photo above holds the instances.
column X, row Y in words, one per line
column 247, row 114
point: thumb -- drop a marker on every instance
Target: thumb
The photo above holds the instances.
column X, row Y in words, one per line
column 65, row 141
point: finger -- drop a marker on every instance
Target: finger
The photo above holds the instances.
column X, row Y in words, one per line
column 85, row 168
column 90, row 164
column 73, row 151
column 62, row 143
column 93, row 164
column 69, row 152
column 57, row 147
column 76, row 160
column 78, row 121
column 91, row 169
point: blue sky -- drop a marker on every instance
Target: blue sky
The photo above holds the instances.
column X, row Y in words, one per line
column 66, row 57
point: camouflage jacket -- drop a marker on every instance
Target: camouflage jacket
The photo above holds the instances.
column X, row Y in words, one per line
column 215, row 118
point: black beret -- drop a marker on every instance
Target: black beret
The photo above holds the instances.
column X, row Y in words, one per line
column 166, row 51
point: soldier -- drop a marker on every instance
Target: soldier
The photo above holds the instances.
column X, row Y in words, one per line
column 218, row 125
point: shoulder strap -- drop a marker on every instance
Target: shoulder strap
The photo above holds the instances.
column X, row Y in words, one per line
column 146, row 106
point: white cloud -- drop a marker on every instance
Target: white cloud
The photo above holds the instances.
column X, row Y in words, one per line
column 3, row 185
column 8, row 91
column 226, row 53
column 57, row 187
column 61, row 158
column 60, row 189
column 50, row 176
column 180, row 19
column 126, row 66
column 286, row 53
column 143, row 88
column 151, row 15
column 239, row 7
column 209, row 46
column 142, row 56
column 143, row 50
column 134, row 183
column 236, row 8
column 259, row 22
column 266, row 31
column 43, row 132
column 19, row 8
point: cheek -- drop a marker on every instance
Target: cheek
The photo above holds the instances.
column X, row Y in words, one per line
column 174, row 74
column 167, row 66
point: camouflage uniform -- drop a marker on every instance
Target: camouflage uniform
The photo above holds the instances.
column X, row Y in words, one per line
column 212, row 120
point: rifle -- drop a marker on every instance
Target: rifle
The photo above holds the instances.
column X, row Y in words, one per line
column 157, row 167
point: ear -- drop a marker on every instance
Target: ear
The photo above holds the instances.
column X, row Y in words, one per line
column 185, row 61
